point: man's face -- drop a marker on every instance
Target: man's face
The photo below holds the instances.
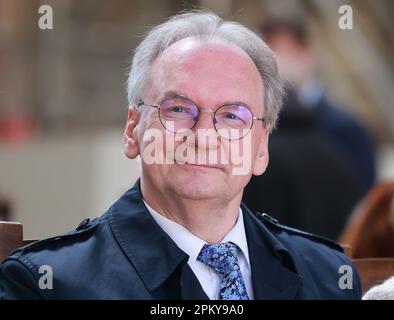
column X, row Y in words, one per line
column 210, row 75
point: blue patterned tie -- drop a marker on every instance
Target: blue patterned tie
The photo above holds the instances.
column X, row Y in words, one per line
column 223, row 259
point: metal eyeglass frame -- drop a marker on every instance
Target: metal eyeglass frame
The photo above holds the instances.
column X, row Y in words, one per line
column 157, row 106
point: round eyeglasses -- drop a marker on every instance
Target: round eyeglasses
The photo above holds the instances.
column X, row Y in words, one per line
column 231, row 121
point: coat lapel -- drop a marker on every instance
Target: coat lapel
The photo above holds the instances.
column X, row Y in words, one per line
column 153, row 254
column 190, row 286
column 273, row 272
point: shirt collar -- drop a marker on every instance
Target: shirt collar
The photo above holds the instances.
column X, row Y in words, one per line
column 237, row 235
column 192, row 244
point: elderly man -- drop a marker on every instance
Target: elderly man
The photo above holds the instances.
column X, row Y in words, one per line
column 182, row 232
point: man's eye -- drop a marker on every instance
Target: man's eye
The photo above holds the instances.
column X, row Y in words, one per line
column 232, row 116
column 178, row 109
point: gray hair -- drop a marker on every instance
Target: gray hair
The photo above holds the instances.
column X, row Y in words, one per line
column 206, row 26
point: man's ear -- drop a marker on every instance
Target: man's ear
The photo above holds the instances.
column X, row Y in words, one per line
column 262, row 157
column 131, row 148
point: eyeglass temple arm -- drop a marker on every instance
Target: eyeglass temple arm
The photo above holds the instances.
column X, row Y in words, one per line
column 142, row 103
column 261, row 119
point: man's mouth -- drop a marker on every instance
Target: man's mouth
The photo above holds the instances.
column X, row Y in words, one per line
column 203, row 166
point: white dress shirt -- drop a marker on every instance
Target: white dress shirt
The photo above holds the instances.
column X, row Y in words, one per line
column 192, row 245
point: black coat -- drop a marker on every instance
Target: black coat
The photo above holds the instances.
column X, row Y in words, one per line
column 124, row 254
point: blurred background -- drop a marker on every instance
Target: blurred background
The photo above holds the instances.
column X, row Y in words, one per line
column 63, row 103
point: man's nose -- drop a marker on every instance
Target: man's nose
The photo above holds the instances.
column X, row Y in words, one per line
column 206, row 120
column 206, row 136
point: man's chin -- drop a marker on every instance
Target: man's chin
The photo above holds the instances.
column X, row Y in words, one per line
column 196, row 186
column 193, row 193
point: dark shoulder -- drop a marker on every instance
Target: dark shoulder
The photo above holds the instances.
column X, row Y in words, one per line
column 303, row 237
column 321, row 262
column 82, row 232
column 62, row 255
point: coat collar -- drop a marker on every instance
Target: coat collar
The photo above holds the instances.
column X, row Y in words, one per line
column 149, row 249
column 155, row 256
column 274, row 275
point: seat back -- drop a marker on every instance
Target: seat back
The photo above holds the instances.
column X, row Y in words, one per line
column 374, row 271
column 11, row 237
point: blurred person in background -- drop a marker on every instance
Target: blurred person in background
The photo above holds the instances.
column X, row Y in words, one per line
column 296, row 56
column 325, row 157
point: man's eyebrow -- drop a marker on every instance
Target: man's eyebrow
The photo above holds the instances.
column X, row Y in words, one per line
column 238, row 103
column 175, row 94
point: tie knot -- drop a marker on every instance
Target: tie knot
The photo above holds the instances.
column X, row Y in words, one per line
column 221, row 257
